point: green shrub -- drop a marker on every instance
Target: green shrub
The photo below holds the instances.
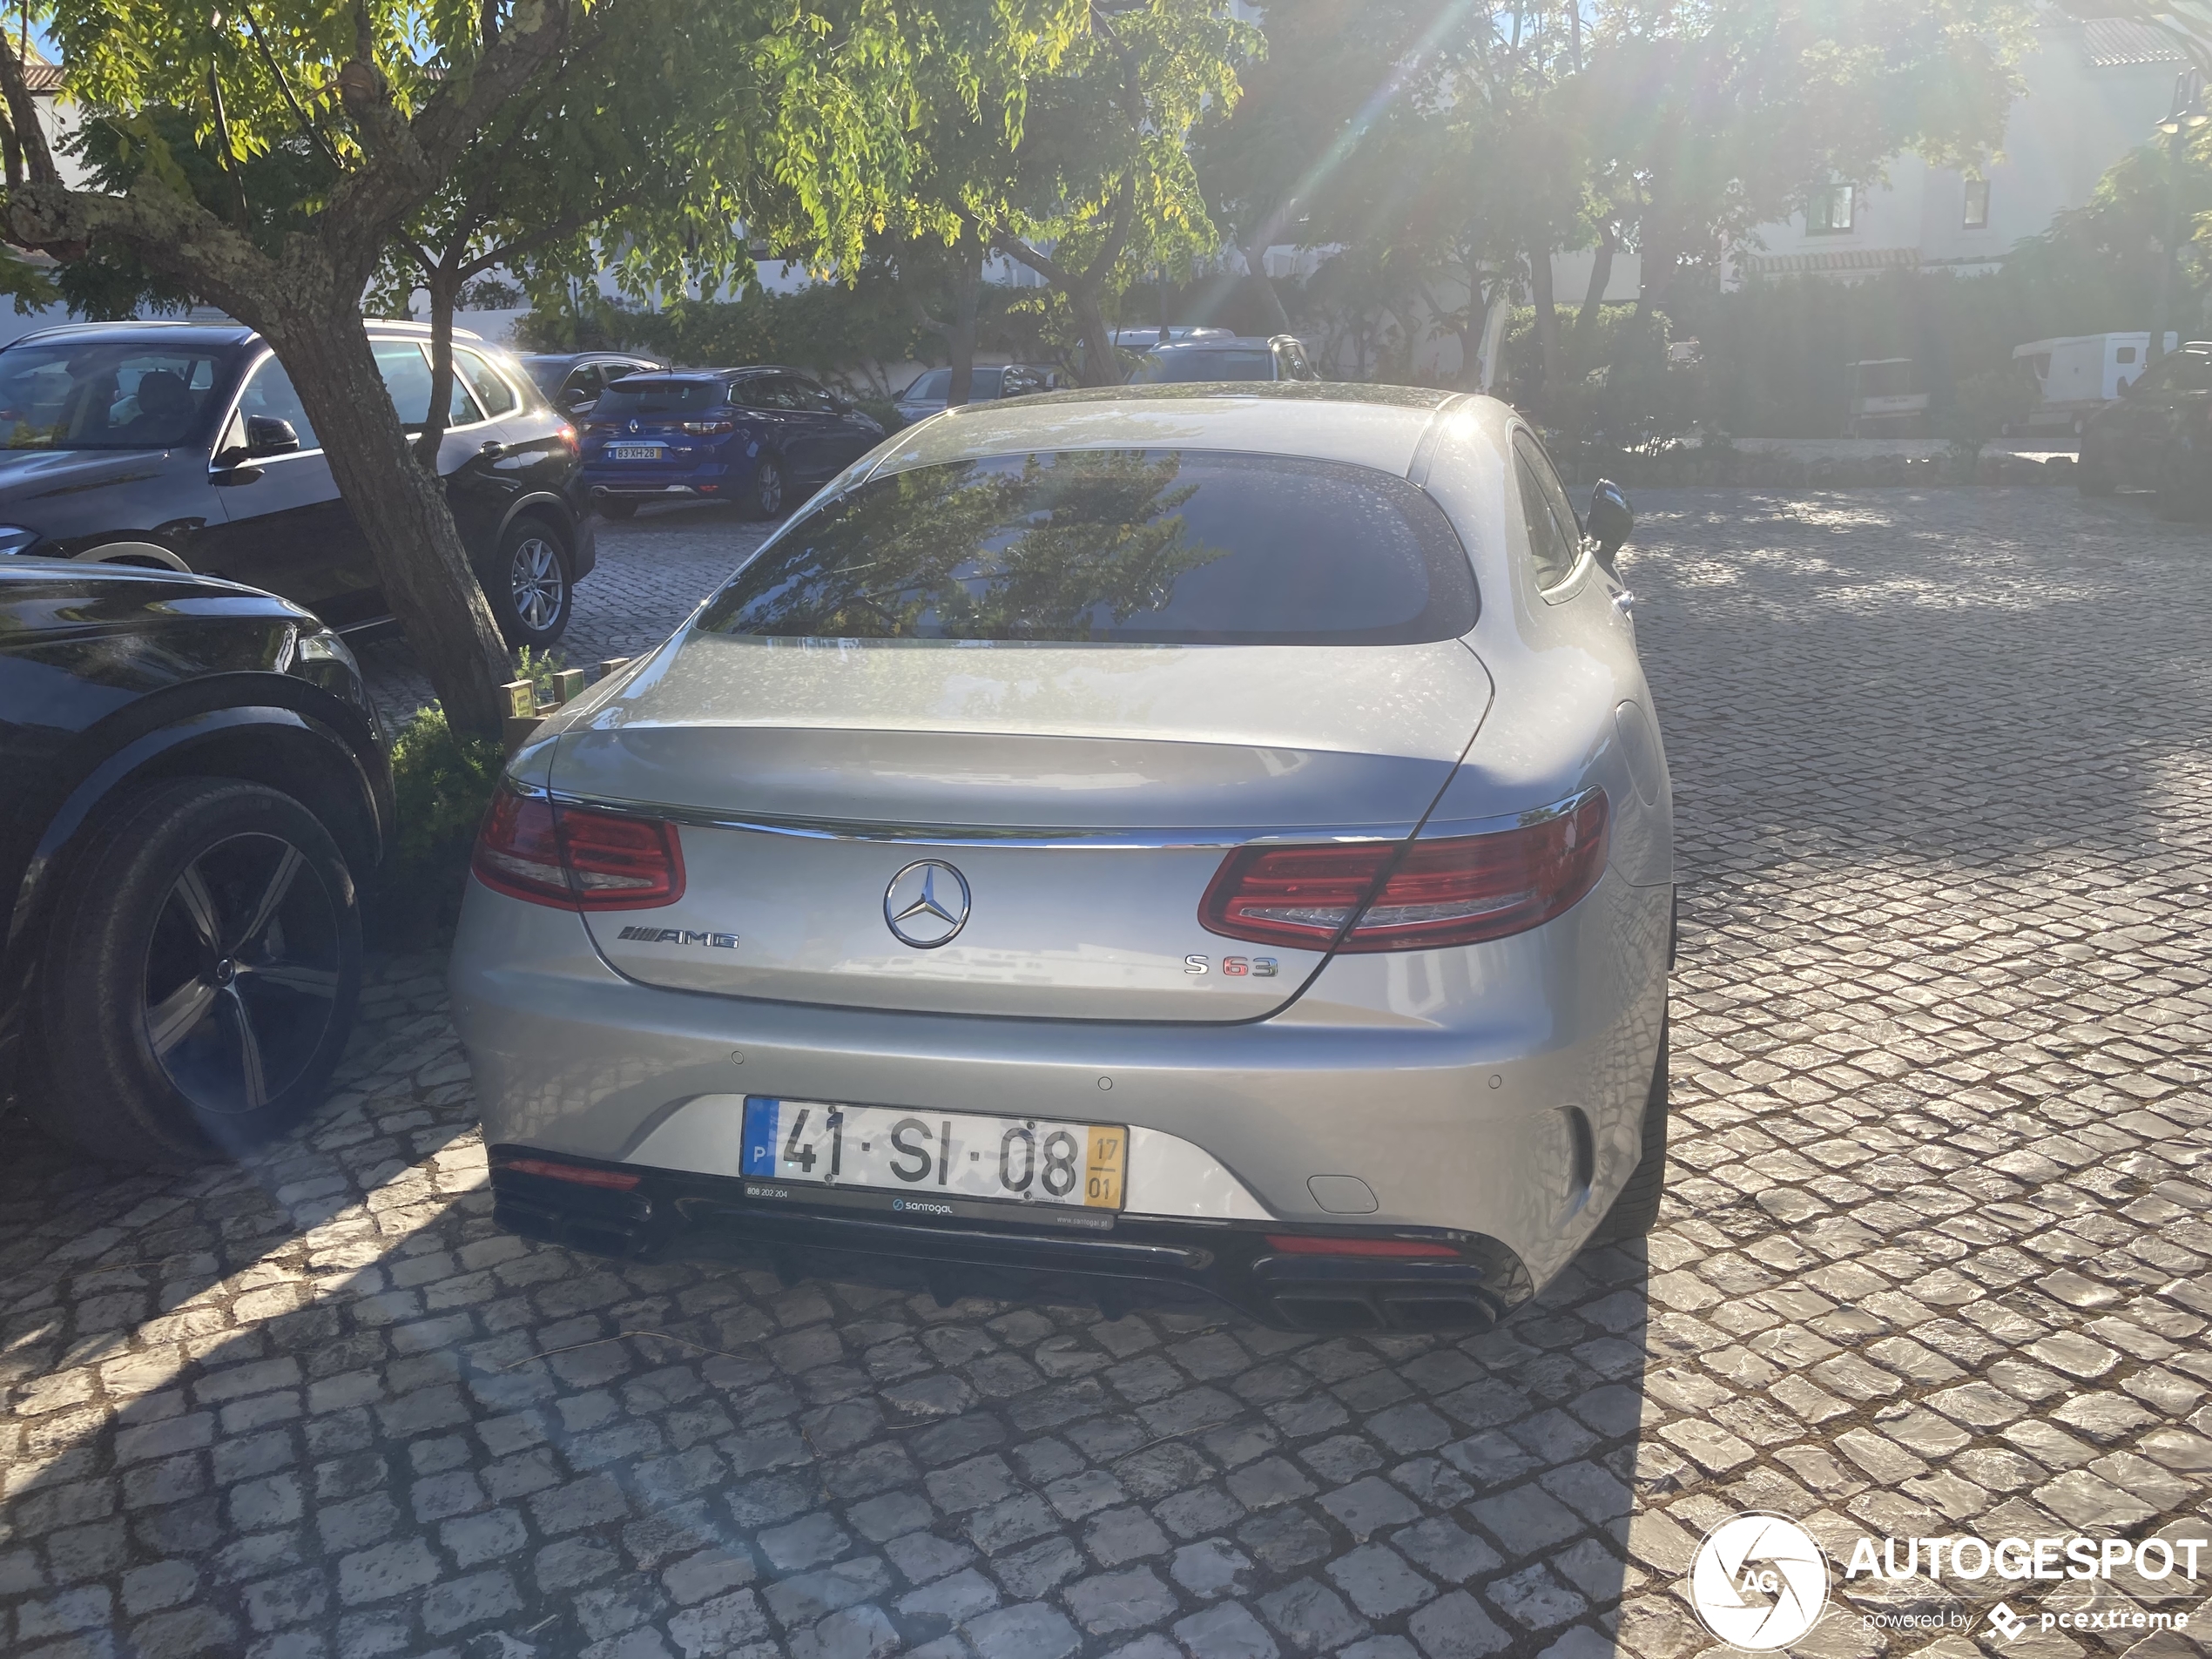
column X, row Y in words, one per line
column 443, row 782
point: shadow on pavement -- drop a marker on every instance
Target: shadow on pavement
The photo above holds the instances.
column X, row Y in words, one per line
column 318, row 1405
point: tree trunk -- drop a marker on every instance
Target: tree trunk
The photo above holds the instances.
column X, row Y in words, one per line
column 1101, row 366
column 959, row 339
column 400, row 508
column 442, row 285
column 1540, row 286
column 1271, row 303
column 1608, row 242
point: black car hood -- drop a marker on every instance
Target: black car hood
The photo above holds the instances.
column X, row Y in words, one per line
column 32, row 475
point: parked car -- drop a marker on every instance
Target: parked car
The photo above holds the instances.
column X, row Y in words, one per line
column 1141, row 338
column 745, row 436
column 573, row 381
column 2157, row 437
column 197, row 790
column 926, row 394
column 185, row 446
column 1235, row 358
column 1153, row 842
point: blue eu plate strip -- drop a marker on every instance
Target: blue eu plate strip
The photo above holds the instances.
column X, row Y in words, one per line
column 761, row 1114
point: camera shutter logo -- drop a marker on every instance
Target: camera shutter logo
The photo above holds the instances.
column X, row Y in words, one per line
column 1759, row 1582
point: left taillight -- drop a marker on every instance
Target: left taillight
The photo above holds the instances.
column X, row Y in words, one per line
column 1454, row 890
column 577, row 858
column 709, row 428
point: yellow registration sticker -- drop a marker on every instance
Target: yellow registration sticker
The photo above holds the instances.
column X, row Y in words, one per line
column 1103, row 1167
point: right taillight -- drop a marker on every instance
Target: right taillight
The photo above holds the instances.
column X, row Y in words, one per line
column 1454, row 890
column 577, row 858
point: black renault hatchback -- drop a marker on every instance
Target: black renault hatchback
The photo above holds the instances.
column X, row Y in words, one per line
column 197, row 793
column 183, row 446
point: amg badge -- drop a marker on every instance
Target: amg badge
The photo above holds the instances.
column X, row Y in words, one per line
column 678, row 936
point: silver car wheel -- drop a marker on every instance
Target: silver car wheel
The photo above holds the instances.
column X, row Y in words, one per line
column 768, row 488
column 242, row 973
column 535, row 580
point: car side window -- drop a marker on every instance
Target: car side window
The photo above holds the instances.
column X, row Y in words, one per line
column 494, row 395
column 581, row 387
column 2192, row 372
column 806, row 395
column 406, row 377
column 1554, row 540
column 760, row 392
column 269, row 393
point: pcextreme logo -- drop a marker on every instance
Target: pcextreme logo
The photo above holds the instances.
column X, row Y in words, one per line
column 1759, row 1582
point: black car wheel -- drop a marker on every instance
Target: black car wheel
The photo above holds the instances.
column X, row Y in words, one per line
column 202, row 976
column 1636, row 1210
column 2182, row 489
column 530, row 591
column 764, row 498
column 615, row 507
column 2092, row 476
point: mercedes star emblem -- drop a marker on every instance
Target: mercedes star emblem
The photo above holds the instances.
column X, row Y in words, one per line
column 926, row 904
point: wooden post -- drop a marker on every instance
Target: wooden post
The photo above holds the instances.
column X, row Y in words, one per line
column 521, row 712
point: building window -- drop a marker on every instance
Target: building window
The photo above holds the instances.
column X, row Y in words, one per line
column 1977, row 218
column 1831, row 210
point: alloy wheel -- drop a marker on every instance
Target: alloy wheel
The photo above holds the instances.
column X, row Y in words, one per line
column 242, row 973
column 533, row 579
column 768, row 490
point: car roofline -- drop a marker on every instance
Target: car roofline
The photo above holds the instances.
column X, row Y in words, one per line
column 242, row 332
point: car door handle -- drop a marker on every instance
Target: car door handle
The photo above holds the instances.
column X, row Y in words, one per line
column 492, row 447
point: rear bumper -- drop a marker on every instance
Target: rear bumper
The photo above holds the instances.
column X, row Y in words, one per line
column 1147, row 1262
column 1519, row 1122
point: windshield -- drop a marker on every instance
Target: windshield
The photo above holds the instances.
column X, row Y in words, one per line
column 116, row 395
column 638, row 396
column 1158, row 367
column 1113, row 546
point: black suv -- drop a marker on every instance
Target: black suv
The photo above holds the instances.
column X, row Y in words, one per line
column 197, row 789
column 572, row 381
column 184, row 445
column 2158, row 436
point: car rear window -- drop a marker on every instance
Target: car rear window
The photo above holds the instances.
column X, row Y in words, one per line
column 1161, row 366
column 1138, row 547
column 633, row 395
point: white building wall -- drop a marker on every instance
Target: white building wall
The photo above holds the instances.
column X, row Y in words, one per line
column 2092, row 92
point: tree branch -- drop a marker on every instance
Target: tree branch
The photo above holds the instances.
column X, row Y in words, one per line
column 276, row 73
column 23, row 109
column 1015, row 248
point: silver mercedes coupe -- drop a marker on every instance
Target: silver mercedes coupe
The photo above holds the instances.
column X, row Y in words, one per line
column 1171, row 843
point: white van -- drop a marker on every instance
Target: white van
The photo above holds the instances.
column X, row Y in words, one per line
column 2079, row 374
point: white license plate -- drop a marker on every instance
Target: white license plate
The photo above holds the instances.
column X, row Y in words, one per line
column 633, row 452
column 947, row 1156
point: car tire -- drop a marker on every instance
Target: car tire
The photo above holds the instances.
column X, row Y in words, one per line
column 611, row 508
column 1636, row 1210
column 2091, row 476
column 530, row 588
column 2182, row 492
column 767, row 496
column 200, row 980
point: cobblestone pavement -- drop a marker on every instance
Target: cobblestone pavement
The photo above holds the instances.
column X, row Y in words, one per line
column 1933, row 1259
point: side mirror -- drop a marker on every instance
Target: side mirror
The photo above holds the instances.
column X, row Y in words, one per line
column 267, row 436
column 573, row 405
column 1610, row 521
